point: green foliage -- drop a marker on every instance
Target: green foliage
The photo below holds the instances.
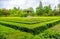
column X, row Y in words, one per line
column 23, row 14
column 32, row 11
column 48, row 34
column 40, row 11
column 47, row 10
column 4, row 12
column 9, row 33
column 59, row 7
column 28, row 28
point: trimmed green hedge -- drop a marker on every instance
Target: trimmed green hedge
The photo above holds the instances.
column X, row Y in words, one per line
column 35, row 30
column 9, row 33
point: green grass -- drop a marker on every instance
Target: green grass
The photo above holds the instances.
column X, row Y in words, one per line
column 35, row 29
column 51, row 33
column 9, row 33
column 26, row 25
column 29, row 28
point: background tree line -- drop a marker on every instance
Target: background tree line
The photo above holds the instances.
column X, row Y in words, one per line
column 40, row 11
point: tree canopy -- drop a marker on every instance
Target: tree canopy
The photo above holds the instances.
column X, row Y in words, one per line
column 40, row 11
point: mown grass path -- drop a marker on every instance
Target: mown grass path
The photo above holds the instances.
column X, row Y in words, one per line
column 56, row 28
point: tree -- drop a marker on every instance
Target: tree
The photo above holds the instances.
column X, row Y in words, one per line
column 23, row 14
column 15, row 11
column 47, row 10
column 59, row 7
column 4, row 12
column 55, row 12
column 31, row 11
column 39, row 9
